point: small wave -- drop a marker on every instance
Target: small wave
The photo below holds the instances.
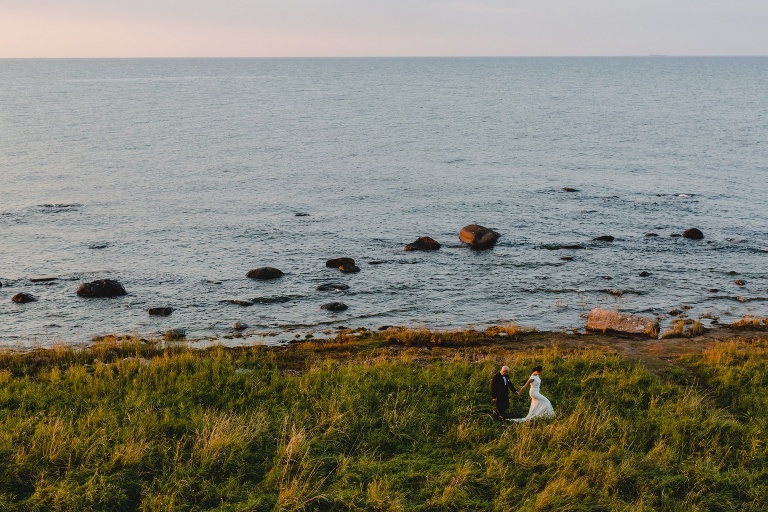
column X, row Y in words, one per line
column 455, row 161
column 60, row 205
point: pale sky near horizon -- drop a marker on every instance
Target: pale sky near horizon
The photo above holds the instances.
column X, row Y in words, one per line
column 324, row 28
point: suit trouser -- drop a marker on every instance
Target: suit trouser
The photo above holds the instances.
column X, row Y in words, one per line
column 499, row 409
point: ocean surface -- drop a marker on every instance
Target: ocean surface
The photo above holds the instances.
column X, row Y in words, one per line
column 176, row 177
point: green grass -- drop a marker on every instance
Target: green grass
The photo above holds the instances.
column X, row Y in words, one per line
column 355, row 423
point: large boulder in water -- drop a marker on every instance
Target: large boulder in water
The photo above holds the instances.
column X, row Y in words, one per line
column 101, row 288
column 23, row 298
column 604, row 320
column 693, row 234
column 346, row 265
column 264, row 273
column 423, row 243
column 335, row 306
column 478, row 237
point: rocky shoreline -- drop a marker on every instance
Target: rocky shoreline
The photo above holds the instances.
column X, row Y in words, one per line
column 474, row 236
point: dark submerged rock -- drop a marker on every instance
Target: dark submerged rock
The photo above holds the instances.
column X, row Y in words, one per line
column 675, row 235
column 23, row 298
column 644, row 274
column 42, row 279
column 332, row 287
column 423, row 243
column 238, row 302
column 566, row 258
column 651, row 234
column 264, row 273
column 334, row 306
column 566, row 246
column 604, row 238
column 478, row 237
column 569, row 189
column 159, row 311
column 693, row 234
column 101, row 288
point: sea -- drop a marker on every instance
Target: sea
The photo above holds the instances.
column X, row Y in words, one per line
column 176, row 177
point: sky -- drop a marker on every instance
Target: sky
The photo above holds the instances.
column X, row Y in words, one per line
column 339, row 28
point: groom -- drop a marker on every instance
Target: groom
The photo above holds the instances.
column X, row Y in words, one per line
column 500, row 385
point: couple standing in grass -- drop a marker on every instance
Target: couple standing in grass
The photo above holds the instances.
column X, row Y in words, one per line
column 540, row 406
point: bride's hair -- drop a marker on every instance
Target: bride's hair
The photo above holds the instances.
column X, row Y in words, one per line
column 537, row 369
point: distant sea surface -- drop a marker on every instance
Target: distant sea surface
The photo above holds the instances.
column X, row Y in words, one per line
column 176, row 177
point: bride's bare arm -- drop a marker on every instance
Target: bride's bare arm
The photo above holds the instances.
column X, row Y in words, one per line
column 526, row 383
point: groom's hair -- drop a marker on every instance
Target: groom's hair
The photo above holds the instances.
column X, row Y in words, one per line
column 537, row 368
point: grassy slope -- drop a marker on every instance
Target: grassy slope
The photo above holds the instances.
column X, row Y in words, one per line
column 362, row 424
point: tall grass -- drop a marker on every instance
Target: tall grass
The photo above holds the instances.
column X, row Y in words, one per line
column 130, row 424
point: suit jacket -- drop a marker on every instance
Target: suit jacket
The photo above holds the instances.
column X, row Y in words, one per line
column 499, row 390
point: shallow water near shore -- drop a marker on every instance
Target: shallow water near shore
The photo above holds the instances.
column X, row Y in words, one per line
column 176, row 177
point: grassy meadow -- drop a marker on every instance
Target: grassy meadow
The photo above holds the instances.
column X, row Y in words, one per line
column 380, row 421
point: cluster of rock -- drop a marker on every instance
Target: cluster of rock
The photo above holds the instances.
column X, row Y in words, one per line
column 474, row 235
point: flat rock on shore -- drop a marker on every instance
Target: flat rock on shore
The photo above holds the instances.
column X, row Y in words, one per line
column 603, row 320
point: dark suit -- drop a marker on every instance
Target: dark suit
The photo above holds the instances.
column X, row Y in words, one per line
column 499, row 392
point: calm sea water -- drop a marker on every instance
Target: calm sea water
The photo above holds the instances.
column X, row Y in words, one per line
column 176, row 177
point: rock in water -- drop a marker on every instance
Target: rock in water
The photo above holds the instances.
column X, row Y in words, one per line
column 693, row 234
column 159, row 311
column 478, row 237
column 423, row 243
column 332, row 287
column 348, row 269
column 603, row 320
column 337, row 262
column 42, row 279
column 264, row 273
column 23, row 298
column 334, row 306
column 101, row 288
column 239, row 302
column 604, row 238
column 346, row 265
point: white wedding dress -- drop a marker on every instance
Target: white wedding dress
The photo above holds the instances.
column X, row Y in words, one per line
column 540, row 406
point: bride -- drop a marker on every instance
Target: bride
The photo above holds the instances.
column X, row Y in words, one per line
column 540, row 406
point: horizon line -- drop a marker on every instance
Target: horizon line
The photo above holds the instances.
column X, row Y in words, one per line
column 649, row 55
